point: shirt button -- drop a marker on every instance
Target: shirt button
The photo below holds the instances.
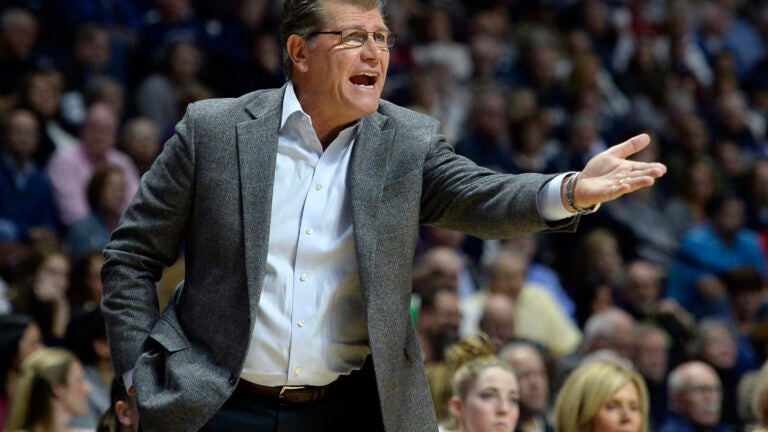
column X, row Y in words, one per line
column 310, row 231
column 303, row 277
column 318, row 186
column 313, row 143
column 297, row 372
column 301, row 323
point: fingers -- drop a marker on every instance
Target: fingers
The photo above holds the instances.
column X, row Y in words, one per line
column 630, row 146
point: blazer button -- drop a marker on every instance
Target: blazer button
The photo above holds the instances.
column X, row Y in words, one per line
column 232, row 379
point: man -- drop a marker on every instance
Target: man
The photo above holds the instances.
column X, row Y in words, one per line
column 71, row 168
column 298, row 210
column 695, row 399
column 527, row 361
column 439, row 321
column 498, row 319
column 652, row 361
column 537, row 315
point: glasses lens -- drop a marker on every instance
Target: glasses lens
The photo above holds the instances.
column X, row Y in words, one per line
column 353, row 38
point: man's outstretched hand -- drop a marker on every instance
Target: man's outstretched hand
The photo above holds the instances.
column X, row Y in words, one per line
column 609, row 175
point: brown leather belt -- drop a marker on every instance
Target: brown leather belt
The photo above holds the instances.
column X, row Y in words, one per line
column 284, row 396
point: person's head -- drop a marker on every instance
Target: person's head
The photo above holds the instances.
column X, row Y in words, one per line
column 41, row 93
column 507, row 272
column 745, row 292
column 51, row 387
column 18, row 33
column 19, row 337
column 106, row 191
column 695, row 393
column 726, row 213
column 45, row 271
column 485, row 396
column 439, row 314
column 122, row 415
column 99, row 131
column 759, row 401
column 612, row 329
column 530, row 368
column 107, row 90
column 444, row 263
column 86, row 337
column 602, row 397
column 652, row 352
column 85, row 286
column 715, row 343
column 93, row 47
column 21, row 134
column 141, row 141
column 498, row 319
column 344, row 72
column 642, row 286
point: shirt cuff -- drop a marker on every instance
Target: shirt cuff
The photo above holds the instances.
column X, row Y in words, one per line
column 551, row 201
column 128, row 379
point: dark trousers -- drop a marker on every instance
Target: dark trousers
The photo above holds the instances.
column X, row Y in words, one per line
column 353, row 405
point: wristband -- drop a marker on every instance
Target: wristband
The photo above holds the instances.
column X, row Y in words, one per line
column 570, row 186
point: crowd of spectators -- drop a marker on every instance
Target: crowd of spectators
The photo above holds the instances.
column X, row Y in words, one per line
column 670, row 278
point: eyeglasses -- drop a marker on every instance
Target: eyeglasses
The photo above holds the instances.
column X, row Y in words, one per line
column 353, row 38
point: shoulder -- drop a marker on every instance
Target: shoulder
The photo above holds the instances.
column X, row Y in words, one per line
column 406, row 117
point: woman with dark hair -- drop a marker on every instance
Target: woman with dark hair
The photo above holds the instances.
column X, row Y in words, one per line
column 19, row 337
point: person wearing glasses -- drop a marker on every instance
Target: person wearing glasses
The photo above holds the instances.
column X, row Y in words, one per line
column 298, row 209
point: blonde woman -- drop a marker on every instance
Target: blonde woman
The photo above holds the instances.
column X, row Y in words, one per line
column 50, row 392
column 485, row 390
column 602, row 396
column 760, row 400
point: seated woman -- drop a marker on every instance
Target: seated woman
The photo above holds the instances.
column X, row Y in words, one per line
column 485, row 392
column 602, row 396
column 50, row 392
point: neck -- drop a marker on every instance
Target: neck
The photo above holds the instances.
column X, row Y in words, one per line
column 61, row 417
column 106, row 372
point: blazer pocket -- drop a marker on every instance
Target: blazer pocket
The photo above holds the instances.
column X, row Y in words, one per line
column 168, row 336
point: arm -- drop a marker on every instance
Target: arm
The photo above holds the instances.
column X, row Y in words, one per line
column 146, row 241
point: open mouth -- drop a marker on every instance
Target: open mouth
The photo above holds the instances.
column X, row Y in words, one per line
column 364, row 80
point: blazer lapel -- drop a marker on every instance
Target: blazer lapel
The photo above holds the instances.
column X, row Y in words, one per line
column 369, row 161
column 257, row 152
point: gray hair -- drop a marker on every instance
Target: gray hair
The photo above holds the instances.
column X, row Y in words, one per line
column 302, row 17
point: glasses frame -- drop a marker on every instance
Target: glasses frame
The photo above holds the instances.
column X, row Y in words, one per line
column 389, row 40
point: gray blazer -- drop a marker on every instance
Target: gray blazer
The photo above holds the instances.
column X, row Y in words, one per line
column 210, row 191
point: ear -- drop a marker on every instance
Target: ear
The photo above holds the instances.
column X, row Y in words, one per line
column 123, row 413
column 455, row 405
column 298, row 52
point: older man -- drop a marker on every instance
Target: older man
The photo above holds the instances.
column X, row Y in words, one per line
column 298, row 209
column 695, row 399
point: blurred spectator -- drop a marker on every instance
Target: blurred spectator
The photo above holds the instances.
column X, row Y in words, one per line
column 498, row 319
column 532, row 146
column 163, row 95
column 18, row 37
column 438, row 322
column 141, row 141
column 40, row 291
column 91, row 60
column 70, row 169
column 109, row 91
column 695, row 399
column 486, row 141
column 19, row 337
column 601, row 396
column 106, row 199
column 41, row 93
column 720, row 245
column 85, row 289
column 87, row 339
column 598, row 262
column 688, row 209
column 438, row 45
column 690, row 144
column 123, row 414
column 537, row 315
column 642, row 298
column 759, row 402
column 652, row 361
column 730, row 123
column 50, row 392
column 611, row 329
column 746, row 298
column 27, row 210
column 582, row 141
column 527, row 360
column 449, row 265
column 757, row 199
column 438, row 96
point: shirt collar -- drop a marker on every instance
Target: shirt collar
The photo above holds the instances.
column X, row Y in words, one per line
column 290, row 104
